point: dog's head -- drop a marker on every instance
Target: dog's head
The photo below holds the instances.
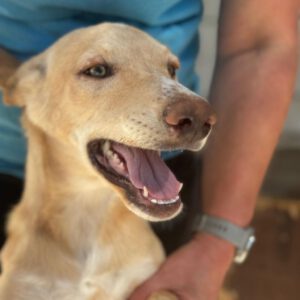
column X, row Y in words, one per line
column 111, row 91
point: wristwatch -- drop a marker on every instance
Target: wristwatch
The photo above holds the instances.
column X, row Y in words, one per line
column 242, row 238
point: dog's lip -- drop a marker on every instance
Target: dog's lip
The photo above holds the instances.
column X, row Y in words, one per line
column 151, row 209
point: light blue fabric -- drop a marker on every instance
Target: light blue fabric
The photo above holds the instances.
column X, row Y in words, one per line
column 27, row 27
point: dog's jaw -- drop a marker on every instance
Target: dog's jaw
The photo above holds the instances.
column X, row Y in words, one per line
column 149, row 188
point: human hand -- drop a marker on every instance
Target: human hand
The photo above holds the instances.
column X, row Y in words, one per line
column 194, row 272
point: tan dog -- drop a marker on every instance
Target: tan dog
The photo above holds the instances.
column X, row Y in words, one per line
column 99, row 105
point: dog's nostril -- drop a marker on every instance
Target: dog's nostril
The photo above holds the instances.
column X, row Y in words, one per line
column 179, row 123
column 184, row 123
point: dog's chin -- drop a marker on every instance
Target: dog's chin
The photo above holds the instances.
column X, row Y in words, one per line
column 151, row 190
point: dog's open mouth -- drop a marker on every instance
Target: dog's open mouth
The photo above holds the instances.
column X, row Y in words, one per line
column 152, row 189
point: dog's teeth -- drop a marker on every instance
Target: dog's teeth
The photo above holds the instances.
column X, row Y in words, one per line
column 122, row 167
column 180, row 188
column 116, row 158
column 164, row 202
column 106, row 150
column 106, row 147
column 145, row 192
column 109, row 153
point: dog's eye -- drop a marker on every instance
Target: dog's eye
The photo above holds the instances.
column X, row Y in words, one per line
column 172, row 70
column 98, row 71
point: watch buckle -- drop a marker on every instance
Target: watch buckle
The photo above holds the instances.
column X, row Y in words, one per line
column 242, row 254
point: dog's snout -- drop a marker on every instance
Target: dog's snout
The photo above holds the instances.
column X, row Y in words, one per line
column 190, row 117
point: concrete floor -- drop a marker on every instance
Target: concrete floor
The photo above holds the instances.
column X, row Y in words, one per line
column 272, row 270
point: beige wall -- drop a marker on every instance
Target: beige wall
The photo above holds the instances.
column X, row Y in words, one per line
column 291, row 135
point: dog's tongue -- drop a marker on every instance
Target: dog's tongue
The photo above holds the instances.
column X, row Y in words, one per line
column 147, row 169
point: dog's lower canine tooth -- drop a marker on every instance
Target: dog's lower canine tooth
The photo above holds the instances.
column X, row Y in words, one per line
column 145, row 192
column 180, row 188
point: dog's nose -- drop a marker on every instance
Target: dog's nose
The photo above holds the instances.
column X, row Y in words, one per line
column 190, row 117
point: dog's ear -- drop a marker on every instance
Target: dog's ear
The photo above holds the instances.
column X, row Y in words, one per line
column 17, row 80
column 8, row 67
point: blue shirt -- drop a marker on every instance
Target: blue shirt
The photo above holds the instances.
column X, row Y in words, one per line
column 27, row 27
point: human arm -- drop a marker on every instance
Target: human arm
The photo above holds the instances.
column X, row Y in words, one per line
column 251, row 91
column 252, row 87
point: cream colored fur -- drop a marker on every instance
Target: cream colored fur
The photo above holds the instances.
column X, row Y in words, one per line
column 71, row 237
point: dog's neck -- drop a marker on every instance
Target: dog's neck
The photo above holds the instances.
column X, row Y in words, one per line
column 72, row 224
column 59, row 187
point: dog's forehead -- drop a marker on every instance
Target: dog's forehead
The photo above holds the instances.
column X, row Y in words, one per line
column 113, row 41
column 122, row 37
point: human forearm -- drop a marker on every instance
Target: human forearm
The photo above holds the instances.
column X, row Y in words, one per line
column 251, row 93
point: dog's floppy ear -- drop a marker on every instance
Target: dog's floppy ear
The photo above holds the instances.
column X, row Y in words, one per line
column 18, row 80
column 8, row 67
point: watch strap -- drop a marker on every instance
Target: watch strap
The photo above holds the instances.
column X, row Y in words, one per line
column 242, row 238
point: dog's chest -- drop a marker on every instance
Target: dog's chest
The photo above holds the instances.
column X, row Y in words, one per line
column 111, row 274
column 113, row 277
column 103, row 276
column 106, row 264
